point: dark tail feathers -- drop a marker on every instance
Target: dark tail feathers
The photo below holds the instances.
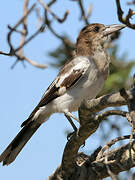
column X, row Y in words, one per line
column 13, row 149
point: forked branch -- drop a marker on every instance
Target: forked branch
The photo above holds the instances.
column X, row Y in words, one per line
column 125, row 20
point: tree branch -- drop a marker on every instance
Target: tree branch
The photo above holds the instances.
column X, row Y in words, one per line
column 118, row 161
column 111, row 113
column 110, row 143
column 131, row 3
column 109, row 100
column 106, row 163
column 85, row 18
column 18, row 52
column 46, row 7
column 125, row 20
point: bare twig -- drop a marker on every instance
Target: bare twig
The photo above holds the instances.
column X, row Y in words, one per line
column 125, row 20
column 66, row 42
column 11, row 52
column 112, row 175
column 39, row 30
column 33, row 63
column 85, row 17
column 15, row 30
column 111, row 143
column 118, row 161
column 18, row 52
column 46, row 7
column 90, row 9
column 39, row 18
column 131, row 3
column 131, row 107
column 110, row 113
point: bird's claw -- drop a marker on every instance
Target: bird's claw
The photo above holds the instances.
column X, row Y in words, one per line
column 83, row 144
column 70, row 135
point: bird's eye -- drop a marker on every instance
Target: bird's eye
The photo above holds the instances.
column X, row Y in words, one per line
column 96, row 29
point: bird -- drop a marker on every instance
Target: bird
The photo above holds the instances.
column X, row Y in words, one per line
column 81, row 78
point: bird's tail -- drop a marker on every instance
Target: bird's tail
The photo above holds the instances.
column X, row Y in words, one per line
column 13, row 149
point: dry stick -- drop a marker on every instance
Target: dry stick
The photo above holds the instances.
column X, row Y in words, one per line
column 14, row 28
column 101, row 117
column 24, row 42
column 41, row 29
column 40, row 19
column 11, row 52
column 90, row 9
column 25, row 10
column 108, row 100
column 131, row 3
column 18, row 52
column 118, row 162
column 106, row 148
column 125, row 20
column 48, row 22
column 51, row 2
column 110, row 113
column 34, row 63
column 112, row 175
column 64, row 40
column 110, row 143
column 85, row 18
column 131, row 107
column 46, row 7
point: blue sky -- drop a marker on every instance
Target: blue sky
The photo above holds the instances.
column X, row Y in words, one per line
column 22, row 88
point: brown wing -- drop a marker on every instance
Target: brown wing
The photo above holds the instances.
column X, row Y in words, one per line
column 72, row 79
column 64, row 79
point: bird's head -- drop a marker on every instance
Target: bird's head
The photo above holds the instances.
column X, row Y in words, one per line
column 96, row 35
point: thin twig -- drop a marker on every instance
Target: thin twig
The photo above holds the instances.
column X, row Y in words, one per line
column 48, row 22
column 131, row 3
column 90, row 9
column 11, row 52
column 125, row 20
column 110, row 113
column 39, row 18
column 18, row 52
column 34, row 63
column 112, row 142
column 46, row 7
column 112, row 175
column 85, row 18
column 39, row 30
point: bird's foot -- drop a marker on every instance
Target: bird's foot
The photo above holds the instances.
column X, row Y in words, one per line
column 70, row 135
column 71, row 122
column 83, row 145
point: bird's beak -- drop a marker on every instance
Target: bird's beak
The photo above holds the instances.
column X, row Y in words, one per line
column 113, row 28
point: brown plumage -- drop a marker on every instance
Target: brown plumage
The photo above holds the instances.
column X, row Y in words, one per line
column 81, row 78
